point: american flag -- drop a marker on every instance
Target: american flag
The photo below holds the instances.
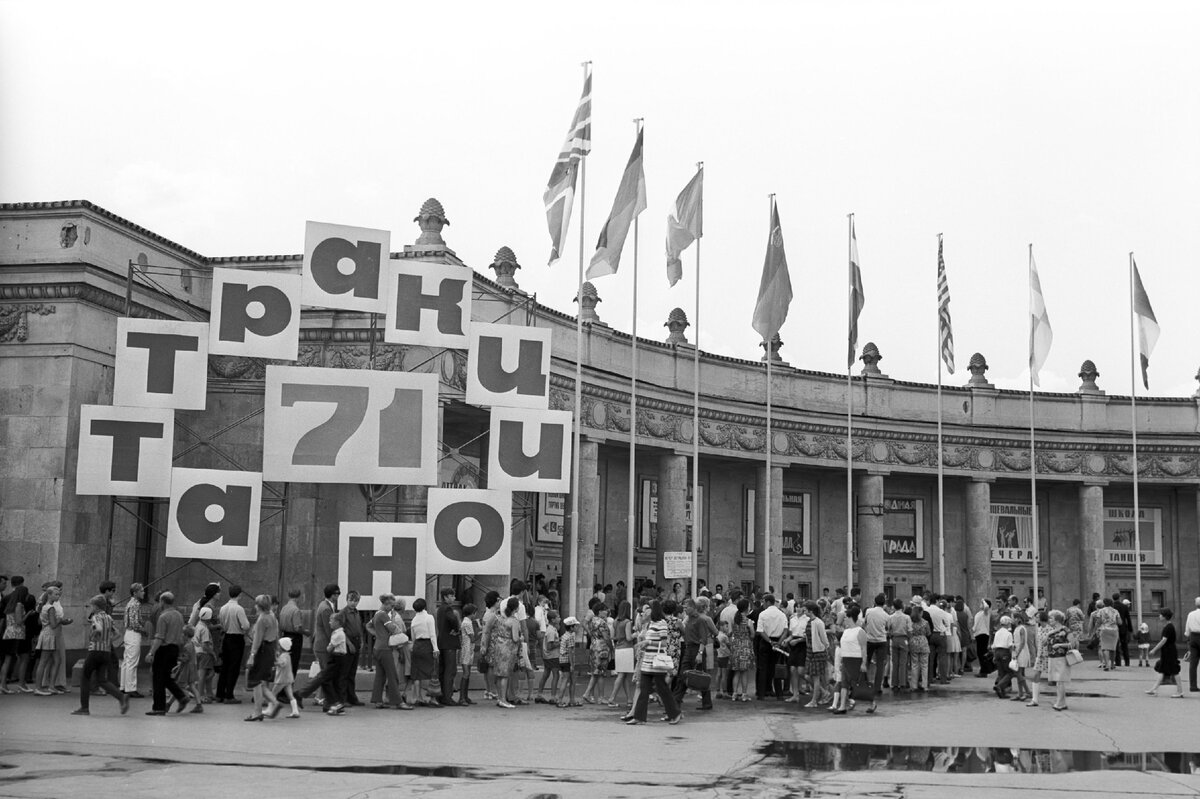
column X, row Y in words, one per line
column 945, row 334
column 560, row 189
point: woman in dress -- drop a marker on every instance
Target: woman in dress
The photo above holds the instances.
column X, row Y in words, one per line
column 623, row 639
column 505, row 647
column 14, row 645
column 1168, row 657
column 491, row 613
column 601, row 650
column 1041, row 656
column 424, row 643
column 467, row 653
column 741, row 651
column 1058, row 643
column 262, row 660
column 1106, row 622
column 854, row 648
column 1022, row 653
column 47, row 643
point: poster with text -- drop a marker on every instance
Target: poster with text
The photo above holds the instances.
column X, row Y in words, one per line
column 903, row 529
column 1119, row 536
column 381, row 558
column 469, row 531
column 344, row 266
column 125, row 451
column 161, row 364
column 508, row 366
column 214, row 514
column 428, row 304
column 552, row 514
column 350, row 426
column 255, row 314
column 1010, row 526
column 797, row 532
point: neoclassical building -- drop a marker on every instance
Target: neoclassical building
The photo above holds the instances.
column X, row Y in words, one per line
column 69, row 270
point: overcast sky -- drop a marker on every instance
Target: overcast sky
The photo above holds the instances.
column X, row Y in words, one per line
column 1073, row 126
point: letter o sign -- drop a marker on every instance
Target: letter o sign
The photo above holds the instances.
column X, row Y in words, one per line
column 454, row 511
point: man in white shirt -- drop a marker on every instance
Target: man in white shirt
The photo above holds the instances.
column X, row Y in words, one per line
column 771, row 627
column 233, row 648
column 939, row 652
column 875, row 624
column 1192, row 628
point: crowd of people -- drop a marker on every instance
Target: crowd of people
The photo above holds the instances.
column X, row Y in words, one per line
column 832, row 653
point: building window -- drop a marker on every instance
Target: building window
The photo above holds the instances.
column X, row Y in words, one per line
column 804, row 591
column 1157, row 600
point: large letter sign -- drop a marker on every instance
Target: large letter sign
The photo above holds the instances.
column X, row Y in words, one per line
column 214, row 514
column 161, row 364
column 470, row 531
column 509, row 366
column 529, row 450
column 255, row 314
column 125, row 451
column 350, row 426
column 381, row 558
column 343, row 266
column 428, row 304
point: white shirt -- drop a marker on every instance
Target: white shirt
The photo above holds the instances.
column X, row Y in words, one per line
column 798, row 625
column 852, row 642
column 940, row 618
column 1193, row 623
column 772, row 622
column 1003, row 639
column 424, row 626
column 725, row 618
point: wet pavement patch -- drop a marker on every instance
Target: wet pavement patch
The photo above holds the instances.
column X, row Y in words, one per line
column 818, row 756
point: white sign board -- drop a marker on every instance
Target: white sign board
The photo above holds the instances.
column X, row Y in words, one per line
column 161, row 364
column 255, row 314
column 677, row 564
column 125, row 451
column 469, row 531
column 214, row 514
column 381, row 558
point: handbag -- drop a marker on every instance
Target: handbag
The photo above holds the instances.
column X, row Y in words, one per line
column 697, row 680
column 314, row 670
column 781, row 671
column 662, row 661
column 624, row 660
column 863, row 691
column 397, row 639
column 1074, row 657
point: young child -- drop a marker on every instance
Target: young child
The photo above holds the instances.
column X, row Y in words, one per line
column 549, row 644
column 722, row 664
column 1143, row 644
column 467, row 652
column 284, row 676
column 836, row 681
column 206, row 656
column 566, row 662
column 185, row 672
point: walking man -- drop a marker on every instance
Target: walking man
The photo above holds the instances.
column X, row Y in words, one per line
column 1193, row 635
column 233, row 647
column 135, row 629
column 163, row 655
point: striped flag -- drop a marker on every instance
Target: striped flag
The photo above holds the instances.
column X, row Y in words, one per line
column 560, row 190
column 857, row 298
column 945, row 333
column 629, row 202
column 1040, row 334
column 775, row 288
column 1147, row 325
column 685, row 224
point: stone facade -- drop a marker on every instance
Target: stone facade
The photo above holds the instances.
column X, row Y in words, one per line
column 63, row 271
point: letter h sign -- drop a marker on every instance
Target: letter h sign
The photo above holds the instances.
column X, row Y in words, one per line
column 382, row 558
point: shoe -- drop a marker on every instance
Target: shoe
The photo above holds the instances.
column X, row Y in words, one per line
column 633, row 722
column 182, row 704
column 294, row 716
column 197, row 709
column 25, row 689
column 336, row 710
column 1059, row 707
column 505, row 705
column 124, row 700
column 871, row 709
column 58, row 689
column 1152, row 692
column 627, row 717
column 1031, row 703
column 274, row 711
column 839, row 712
column 81, row 712
column 676, row 720
column 1177, row 696
column 135, row 695
column 43, row 692
column 259, row 717
column 156, row 712
column 588, row 699
column 448, row 703
column 404, row 706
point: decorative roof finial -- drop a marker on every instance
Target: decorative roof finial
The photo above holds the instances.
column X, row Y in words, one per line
column 506, row 266
column 587, row 308
column 431, row 219
column 676, row 323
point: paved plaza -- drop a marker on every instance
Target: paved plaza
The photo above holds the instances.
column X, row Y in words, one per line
column 923, row 746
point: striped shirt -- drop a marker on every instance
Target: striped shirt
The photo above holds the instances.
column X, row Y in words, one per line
column 100, row 637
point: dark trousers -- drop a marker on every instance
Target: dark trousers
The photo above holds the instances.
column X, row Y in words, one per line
column 655, row 682
column 765, row 683
column 447, row 669
column 233, row 649
column 939, row 658
column 981, row 648
column 95, row 672
column 328, row 680
column 877, row 651
column 688, row 661
column 1122, row 646
column 160, row 672
column 347, row 670
column 1193, row 658
column 1004, row 674
column 296, row 651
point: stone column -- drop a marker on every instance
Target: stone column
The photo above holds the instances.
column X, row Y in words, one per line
column 771, row 555
column 579, row 577
column 1091, row 540
column 672, row 512
column 870, row 534
column 979, row 541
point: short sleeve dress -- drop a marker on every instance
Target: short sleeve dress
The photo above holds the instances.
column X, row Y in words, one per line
column 1168, row 656
column 741, row 646
column 601, row 646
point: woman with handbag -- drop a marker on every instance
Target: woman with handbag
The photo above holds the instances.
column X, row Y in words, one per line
column 1168, row 657
column 741, row 651
column 1041, row 656
column 1058, row 649
column 853, row 647
column 388, row 635
column 657, row 664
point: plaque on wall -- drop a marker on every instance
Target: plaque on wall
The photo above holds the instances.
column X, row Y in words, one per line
column 1119, row 536
column 903, row 529
column 1010, row 527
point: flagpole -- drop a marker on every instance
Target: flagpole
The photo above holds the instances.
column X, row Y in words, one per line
column 940, row 470
column 631, row 523
column 849, row 427
column 697, row 529
column 766, row 543
column 1033, row 509
column 1137, row 532
column 568, row 594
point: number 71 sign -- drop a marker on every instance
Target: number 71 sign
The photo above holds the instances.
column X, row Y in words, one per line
column 347, row 426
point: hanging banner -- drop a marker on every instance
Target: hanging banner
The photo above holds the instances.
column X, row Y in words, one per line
column 343, row 267
column 255, row 314
column 508, row 366
column 529, row 450
column 469, row 531
column 161, row 364
column 903, row 529
column 350, row 426
column 428, row 304
column 381, row 558
column 214, row 514
column 125, row 451
column 1119, row 537
column 1011, row 526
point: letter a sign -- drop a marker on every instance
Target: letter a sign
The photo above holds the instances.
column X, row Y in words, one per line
column 214, row 514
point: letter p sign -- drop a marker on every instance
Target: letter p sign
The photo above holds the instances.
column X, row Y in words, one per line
column 214, row 514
